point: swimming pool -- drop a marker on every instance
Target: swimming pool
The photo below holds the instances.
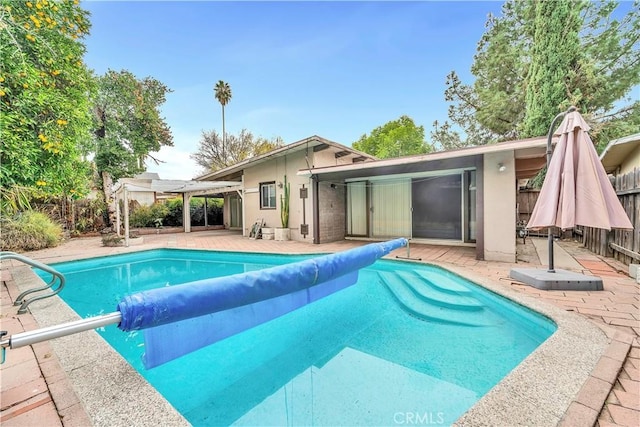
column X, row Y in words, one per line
column 408, row 341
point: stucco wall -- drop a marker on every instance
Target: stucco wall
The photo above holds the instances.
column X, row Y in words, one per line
column 145, row 198
column 499, row 207
column 275, row 170
column 332, row 212
column 632, row 161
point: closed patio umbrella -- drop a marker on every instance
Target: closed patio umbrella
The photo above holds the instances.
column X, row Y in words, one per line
column 576, row 189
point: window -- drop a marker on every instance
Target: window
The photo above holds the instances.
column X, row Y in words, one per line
column 267, row 195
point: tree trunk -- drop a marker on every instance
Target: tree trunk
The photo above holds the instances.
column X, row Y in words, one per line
column 224, row 140
column 110, row 201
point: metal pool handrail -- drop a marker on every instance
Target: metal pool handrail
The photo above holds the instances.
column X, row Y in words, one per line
column 56, row 277
column 56, row 331
column 165, row 305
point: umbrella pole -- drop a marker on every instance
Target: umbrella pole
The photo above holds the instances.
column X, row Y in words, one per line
column 549, row 154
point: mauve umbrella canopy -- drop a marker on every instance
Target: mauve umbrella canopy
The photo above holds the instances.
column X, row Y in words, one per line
column 576, row 190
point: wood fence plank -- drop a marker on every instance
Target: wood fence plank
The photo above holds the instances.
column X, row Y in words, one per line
column 598, row 241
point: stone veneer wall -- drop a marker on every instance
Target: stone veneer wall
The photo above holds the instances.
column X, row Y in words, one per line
column 332, row 212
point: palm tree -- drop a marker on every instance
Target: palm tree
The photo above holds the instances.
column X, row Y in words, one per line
column 223, row 95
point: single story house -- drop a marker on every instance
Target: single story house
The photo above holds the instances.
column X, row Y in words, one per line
column 262, row 178
column 462, row 197
column 140, row 188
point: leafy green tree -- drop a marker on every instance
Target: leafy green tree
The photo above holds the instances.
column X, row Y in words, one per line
column 262, row 145
column 396, row 138
column 44, row 86
column 16, row 199
column 127, row 127
column 210, row 155
column 127, row 122
column 600, row 68
column 222, row 92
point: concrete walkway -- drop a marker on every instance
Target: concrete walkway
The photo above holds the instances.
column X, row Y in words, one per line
column 36, row 391
column 561, row 258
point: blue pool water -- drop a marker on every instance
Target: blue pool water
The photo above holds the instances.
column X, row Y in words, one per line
column 408, row 343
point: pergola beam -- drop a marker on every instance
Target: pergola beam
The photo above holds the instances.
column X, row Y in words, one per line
column 188, row 189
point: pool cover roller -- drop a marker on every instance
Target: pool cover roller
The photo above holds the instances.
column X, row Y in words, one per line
column 200, row 313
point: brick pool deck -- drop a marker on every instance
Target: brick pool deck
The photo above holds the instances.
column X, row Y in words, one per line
column 35, row 390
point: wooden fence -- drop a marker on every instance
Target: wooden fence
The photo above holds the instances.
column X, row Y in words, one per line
column 526, row 200
column 624, row 246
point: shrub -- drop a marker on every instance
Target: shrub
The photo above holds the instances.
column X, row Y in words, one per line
column 196, row 207
column 141, row 216
column 89, row 214
column 171, row 213
column 147, row 216
column 111, row 240
column 174, row 215
column 29, row 231
column 214, row 211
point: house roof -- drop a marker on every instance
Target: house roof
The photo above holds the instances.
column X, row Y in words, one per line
column 315, row 142
column 617, row 151
column 530, row 155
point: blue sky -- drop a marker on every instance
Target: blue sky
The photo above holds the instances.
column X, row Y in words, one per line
column 334, row 69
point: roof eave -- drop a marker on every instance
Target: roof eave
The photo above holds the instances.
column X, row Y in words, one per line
column 617, row 150
column 440, row 155
column 310, row 141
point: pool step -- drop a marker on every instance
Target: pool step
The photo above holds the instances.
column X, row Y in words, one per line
column 424, row 310
column 425, row 290
column 444, row 283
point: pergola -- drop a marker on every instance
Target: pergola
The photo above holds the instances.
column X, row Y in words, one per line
column 188, row 189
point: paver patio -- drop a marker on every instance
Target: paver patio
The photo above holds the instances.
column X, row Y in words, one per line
column 35, row 390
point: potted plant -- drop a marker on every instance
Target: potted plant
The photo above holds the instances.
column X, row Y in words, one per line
column 284, row 233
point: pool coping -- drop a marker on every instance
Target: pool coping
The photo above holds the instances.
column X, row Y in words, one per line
column 547, row 388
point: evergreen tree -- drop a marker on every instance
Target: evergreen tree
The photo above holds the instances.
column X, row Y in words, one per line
column 555, row 55
column 538, row 58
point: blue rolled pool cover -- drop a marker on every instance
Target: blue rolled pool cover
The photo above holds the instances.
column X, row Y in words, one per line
column 192, row 334
column 180, row 319
column 173, row 303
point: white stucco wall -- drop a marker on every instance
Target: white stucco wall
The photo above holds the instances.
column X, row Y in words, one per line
column 275, row 170
column 145, row 198
column 499, row 207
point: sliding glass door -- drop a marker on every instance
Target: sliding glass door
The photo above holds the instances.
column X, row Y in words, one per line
column 357, row 219
column 235, row 211
column 391, row 208
column 437, row 207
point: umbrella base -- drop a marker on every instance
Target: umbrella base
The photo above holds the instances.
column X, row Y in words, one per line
column 561, row 280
